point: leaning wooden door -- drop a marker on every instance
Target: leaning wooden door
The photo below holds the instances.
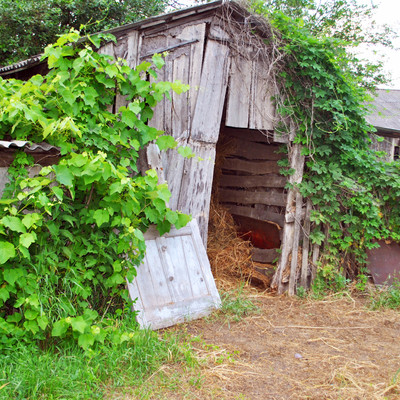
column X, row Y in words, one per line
column 174, row 283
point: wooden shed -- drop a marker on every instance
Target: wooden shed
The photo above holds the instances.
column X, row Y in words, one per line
column 228, row 119
column 385, row 117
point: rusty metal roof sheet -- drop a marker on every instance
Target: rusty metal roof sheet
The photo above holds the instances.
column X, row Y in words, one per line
column 7, row 144
column 385, row 111
column 21, row 64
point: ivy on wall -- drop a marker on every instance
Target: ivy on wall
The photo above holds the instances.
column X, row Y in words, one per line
column 355, row 195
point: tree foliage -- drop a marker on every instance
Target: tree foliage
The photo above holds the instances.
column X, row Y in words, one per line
column 28, row 26
column 71, row 235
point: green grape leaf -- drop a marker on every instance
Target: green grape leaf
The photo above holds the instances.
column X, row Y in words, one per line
column 7, row 251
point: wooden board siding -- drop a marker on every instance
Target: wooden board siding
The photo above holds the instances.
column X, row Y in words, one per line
column 266, row 256
column 174, row 283
column 194, row 118
column 182, row 63
column 249, row 185
column 243, row 147
column 249, row 102
column 239, row 93
column 127, row 48
column 265, row 215
column 211, row 95
column 251, row 181
column 269, row 198
column 196, row 185
column 4, row 179
column 262, row 109
column 249, row 173
column 252, row 167
column 189, row 180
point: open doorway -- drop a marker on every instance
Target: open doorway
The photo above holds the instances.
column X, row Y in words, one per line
column 248, row 186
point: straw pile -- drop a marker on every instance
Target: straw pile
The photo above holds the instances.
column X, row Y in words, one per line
column 230, row 255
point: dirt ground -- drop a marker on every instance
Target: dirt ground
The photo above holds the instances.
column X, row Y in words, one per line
column 292, row 349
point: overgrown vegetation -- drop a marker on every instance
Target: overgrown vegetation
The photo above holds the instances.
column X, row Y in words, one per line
column 70, row 236
column 355, row 196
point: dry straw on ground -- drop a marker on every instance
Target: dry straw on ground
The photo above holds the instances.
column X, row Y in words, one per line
column 229, row 255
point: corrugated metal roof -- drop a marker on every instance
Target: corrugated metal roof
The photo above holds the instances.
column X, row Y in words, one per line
column 21, row 64
column 152, row 21
column 385, row 110
column 7, row 144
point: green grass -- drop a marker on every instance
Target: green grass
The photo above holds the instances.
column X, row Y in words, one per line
column 69, row 373
column 236, row 304
column 385, row 296
column 146, row 366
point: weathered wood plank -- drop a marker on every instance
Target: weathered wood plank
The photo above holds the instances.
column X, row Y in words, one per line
column 264, row 255
column 297, row 164
column 286, row 248
column 157, row 121
column 154, row 161
column 180, row 102
column 306, row 246
column 315, row 258
column 174, row 165
column 107, row 49
column 269, row 181
column 295, row 249
column 177, row 313
column 168, row 48
column 182, row 63
column 250, row 135
column 263, row 215
column 218, row 32
column 170, row 250
column 195, row 191
column 168, row 76
column 196, row 58
column 252, row 167
column 262, row 110
column 205, row 265
column 270, row 198
column 280, row 137
column 152, row 233
column 290, row 217
column 211, row 96
column 239, row 93
column 174, row 283
column 196, row 279
column 149, row 279
column 128, row 50
column 4, row 179
column 254, row 151
column 149, row 45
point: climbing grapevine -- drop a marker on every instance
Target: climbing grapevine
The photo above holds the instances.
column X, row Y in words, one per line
column 71, row 235
column 355, row 195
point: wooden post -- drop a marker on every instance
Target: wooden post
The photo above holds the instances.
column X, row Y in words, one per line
column 296, row 240
column 315, row 256
column 306, row 245
column 297, row 163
